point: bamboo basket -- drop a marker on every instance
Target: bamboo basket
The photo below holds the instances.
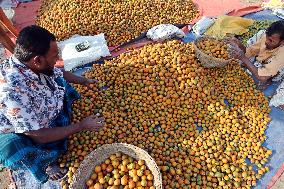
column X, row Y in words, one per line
column 99, row 155
column 206, row 60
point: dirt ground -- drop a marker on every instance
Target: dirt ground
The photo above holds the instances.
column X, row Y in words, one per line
column 4, row 181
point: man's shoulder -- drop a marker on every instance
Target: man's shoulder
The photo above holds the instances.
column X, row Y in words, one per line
column 281, row 49
column 5, row 63
column 10, row 75
column 280, row 52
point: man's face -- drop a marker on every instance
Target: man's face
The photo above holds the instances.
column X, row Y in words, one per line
column 49, row 59
column 273, row 41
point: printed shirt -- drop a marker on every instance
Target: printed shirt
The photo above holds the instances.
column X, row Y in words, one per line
column 26, row 102
column 274, row 58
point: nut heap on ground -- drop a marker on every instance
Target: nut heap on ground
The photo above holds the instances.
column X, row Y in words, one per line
column 200, row 125
column 121, row 170
column 120, row 20
column 215, row 48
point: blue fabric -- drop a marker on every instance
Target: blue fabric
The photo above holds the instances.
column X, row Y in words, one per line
column 274, row 141
column 70, row 95
column 17, row 151
column 275, row 129
column 262, row 15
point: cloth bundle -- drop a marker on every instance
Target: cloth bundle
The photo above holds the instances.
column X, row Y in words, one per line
column 164, row 31
column 229, row 25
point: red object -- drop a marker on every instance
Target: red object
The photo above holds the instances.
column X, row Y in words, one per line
column 276, row 177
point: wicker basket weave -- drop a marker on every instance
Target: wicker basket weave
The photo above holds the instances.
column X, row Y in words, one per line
column 99, row 155
column 206, row 60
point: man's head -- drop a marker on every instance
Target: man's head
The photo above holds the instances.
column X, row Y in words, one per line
column 37, row 48
column 275, row 35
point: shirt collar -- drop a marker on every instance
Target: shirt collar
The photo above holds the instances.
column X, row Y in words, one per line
column 25, row 69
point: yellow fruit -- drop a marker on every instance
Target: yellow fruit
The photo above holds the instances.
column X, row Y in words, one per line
column 121, row 21
column 145, row 105
column 124, row 180
column 98, row 186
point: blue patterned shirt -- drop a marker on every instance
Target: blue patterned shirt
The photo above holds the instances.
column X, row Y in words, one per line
column 26, row 101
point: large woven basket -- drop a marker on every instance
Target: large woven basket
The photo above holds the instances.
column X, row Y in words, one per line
column 206, row 60
column 99, row 155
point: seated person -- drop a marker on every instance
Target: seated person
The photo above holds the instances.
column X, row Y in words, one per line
column 35, row 106
column 268, row 50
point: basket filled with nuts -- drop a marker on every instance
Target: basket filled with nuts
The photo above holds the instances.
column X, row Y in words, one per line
column 212, row 52
column 115, row 166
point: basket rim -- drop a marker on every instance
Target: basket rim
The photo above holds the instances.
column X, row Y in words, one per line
column 77, row 178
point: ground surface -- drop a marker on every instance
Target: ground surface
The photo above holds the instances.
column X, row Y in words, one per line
column 4, row 181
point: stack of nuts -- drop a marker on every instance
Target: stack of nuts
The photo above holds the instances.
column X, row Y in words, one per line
column 215, row 48
column 200, row 125
column 119, row 20
column 121, row 170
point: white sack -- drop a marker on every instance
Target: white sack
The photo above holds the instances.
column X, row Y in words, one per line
column 72, row 58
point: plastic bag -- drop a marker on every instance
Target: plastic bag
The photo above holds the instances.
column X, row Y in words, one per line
column 72, row 58
column 279, row 13
column 164, row 31
column 8, row 4
column 255, row 38
column 273, row 4
column 202, row 25
column 278, row 98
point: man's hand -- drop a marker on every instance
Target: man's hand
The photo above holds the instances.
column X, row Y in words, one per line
column 72, row 78
column 232, row 41
column 92, row 123
column 236, row 52
column 46, row 135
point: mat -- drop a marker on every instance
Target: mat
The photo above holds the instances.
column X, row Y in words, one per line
column 275, row 130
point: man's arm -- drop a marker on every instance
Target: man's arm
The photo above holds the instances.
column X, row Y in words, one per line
column 254, row 70
column 46, row 135
column 240, row 55
column 72, row 78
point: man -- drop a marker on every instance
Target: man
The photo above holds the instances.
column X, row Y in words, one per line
column 268, row 50
column 35, row 106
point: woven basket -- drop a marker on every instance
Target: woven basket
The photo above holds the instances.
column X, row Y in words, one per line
column 99, row 155
column 206, row 60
